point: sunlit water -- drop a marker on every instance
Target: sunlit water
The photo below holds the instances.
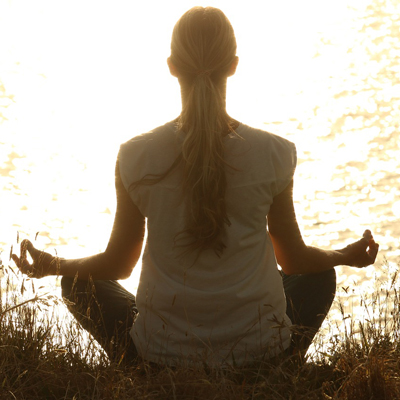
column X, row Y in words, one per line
column 76, row 81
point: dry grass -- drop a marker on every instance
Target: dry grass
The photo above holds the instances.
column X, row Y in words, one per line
column 44, row 356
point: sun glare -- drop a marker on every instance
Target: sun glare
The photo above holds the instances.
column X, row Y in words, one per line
column 78, row 78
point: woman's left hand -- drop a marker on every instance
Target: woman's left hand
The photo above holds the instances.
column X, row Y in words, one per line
column 362, row 253
column 44, row 264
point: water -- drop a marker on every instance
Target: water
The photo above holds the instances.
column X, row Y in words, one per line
column 326, row 76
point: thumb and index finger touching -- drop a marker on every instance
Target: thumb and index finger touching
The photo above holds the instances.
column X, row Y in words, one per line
column 361, row 253
column 26, row 246
column 370, row 246
column 43, row 264
column 367, row 245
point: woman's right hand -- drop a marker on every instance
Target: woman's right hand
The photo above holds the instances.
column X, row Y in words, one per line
column 362, row 253
column 44, row 264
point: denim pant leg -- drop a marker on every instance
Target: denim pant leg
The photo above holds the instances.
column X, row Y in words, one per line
column 309, row 298
column 106, row 310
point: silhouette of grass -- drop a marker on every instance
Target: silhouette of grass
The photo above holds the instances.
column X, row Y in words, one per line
column 44, row 354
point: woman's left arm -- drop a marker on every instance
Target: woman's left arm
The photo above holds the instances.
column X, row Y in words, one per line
column 116, row 262
column 295, row 257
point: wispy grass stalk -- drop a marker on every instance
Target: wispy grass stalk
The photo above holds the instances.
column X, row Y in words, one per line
column 44, row 354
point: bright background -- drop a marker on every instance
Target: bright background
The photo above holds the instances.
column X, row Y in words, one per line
column 77, row 78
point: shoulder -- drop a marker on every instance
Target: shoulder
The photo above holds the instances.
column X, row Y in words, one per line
column 149, row 153
column 275, row 154
column 156, row 135
column 261, row 135
column 154, row 140
column 267, row 142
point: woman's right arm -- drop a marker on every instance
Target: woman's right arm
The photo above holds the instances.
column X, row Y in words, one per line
column 295, row 257
column 116, row 262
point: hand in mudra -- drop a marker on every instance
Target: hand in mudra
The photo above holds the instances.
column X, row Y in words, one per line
column 44, row 264
column 361, row 253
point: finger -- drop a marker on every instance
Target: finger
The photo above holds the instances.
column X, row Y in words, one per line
column 373, row 249
column 33, row 251
column 16, row 260
column 20, row 263
column 362, row 244
column 26, row 245
column 367, row 235
column 23, row 265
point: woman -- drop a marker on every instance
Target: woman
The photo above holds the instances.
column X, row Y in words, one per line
column 206, row 184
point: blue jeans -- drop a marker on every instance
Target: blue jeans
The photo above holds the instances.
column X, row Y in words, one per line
column 107, row 310
column 308, row 300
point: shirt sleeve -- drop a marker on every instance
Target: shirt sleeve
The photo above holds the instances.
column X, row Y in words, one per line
column 131, row 162
column 284, row 158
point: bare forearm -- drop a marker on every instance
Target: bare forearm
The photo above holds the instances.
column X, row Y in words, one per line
column 306, row 259
column 99, row 267
column 314, row 260
column 309, row 260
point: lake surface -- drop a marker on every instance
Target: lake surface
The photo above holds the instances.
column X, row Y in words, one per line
column 327, row 77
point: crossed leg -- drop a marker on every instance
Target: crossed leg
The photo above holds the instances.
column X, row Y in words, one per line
column 309, row 298
column 106, row 310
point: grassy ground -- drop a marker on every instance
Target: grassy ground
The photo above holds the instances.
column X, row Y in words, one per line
column 42, row 356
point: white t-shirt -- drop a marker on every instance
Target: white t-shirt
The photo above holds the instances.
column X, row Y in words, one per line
column 230, row 309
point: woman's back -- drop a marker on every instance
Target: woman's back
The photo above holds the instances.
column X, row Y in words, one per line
column 196, row 303
column 210, row 290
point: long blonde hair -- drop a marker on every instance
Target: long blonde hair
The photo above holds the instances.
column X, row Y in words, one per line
column 203, row 49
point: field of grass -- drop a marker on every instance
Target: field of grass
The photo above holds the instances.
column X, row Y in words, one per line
column 46, row 355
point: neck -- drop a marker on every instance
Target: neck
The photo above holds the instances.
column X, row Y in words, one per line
column 232, row 123
column 185, row 88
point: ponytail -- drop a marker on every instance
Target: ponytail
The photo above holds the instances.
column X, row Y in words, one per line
column 204, row 180
column 203, row 49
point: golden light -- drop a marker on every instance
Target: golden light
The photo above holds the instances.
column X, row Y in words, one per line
column 81, row 77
